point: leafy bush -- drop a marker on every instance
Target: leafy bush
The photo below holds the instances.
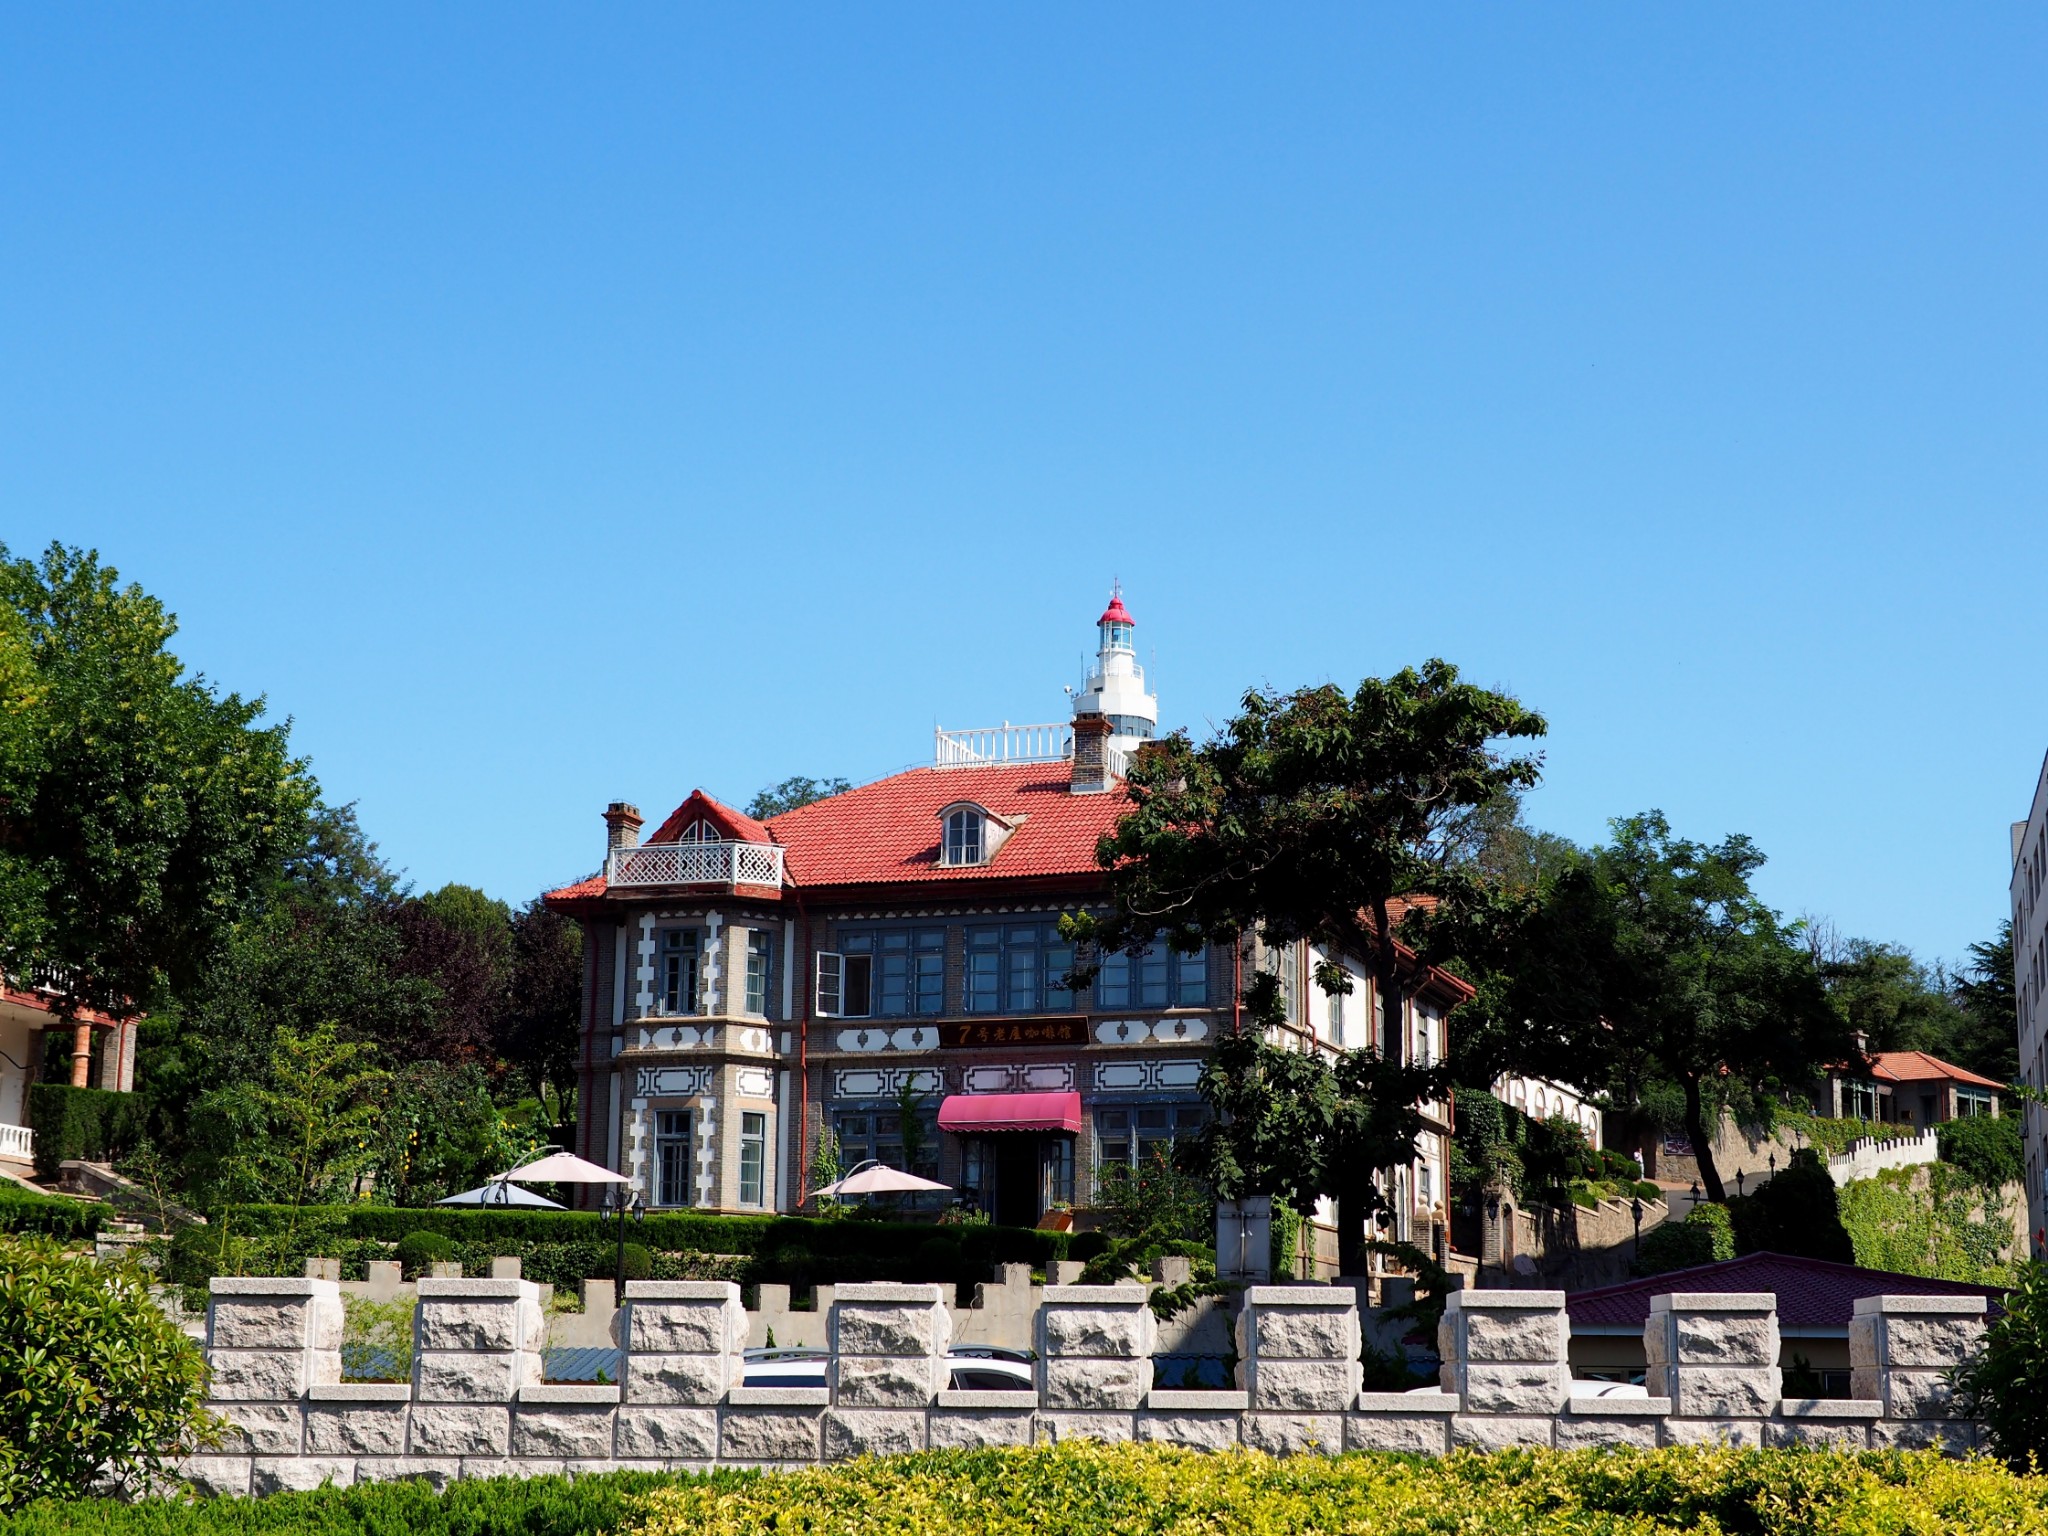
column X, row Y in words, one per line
column 91, row 1124
column 1797, row 1212
column 418, row 1252
column 636, row 1260
column 1985, row 1147
column 376, row 1339
column 23, row 1210
column 2006, row 1387
column 95, row 1382
column 1932, row 1220
column 1705, row 1236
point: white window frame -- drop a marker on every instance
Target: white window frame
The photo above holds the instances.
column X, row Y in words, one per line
column 831, row 989
column 956, row 844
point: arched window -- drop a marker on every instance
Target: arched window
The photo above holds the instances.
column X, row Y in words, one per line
column 699, row 832
column 965, row 836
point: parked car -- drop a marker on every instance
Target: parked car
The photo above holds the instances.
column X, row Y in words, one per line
column 973, row 1368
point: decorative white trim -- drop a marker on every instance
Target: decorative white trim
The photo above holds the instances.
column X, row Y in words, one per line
column 886, row 1082
column 1142, row 1075
column 1019, row 1077
column 671, row 1082
column 881, row 1037
column 754, row 1082
column 1177, row 1029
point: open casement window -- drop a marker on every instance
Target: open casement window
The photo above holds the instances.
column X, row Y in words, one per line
column 845, row 985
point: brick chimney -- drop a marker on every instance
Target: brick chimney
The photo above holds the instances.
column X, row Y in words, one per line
column 1091, row 754
column 621, row 826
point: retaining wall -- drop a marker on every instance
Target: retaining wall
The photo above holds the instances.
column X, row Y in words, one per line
column 476, row 1404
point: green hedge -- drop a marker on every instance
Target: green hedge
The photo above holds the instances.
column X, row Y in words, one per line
column 1081, row 1488
column 24, row 1211
column 88, row 1123
column 792, row 1250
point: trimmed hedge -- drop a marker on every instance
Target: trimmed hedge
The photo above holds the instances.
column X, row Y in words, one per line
column 92, row 1124
column 791, row 1250
column 22, row 1210
column 1081, row 1488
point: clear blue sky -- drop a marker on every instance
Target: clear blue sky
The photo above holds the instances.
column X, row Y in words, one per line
column 544, row 405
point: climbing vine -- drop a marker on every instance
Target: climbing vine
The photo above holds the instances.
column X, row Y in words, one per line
column 1931, row 1220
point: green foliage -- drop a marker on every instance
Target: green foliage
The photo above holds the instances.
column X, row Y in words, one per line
column 438, row 1133
column 1705, row 1236
column 1835, row 1136
column 91, row 1124
column 418, row 1252
column 638, row 1261
column 138, row 808
column 1797, row 1212
column 95, row 1382
column 1988, row 1041
column 2005, row 1388
column 308, row 1126
column 1985, row 1147
column 376, row 1338
column 23, row 1210
column 791, row 793
column 1932, row 1220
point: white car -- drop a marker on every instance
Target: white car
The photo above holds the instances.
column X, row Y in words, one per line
column 973, row 1368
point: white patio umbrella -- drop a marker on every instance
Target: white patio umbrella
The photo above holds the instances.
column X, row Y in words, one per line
column 564, row 1168
column 498, row 1192
column 877, row 1179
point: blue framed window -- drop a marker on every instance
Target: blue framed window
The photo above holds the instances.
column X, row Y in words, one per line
column 1017, row 968
column 906, row 969
column 1154, row 978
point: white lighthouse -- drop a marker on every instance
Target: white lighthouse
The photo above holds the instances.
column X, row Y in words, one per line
column 1116, row 686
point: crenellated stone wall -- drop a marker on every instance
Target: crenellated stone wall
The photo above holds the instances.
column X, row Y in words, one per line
column 476, row 1405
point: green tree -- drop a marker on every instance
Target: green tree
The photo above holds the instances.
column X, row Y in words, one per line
column 96, row 1383
column 2005, row 1388
column 138, row 807
column 1890, row 998
column 1988, row 1041
column 1306, row 818
column 791, row 793
column 307, row 1131
column 537, row 1036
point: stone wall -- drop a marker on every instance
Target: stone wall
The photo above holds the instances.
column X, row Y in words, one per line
column 476, row 1404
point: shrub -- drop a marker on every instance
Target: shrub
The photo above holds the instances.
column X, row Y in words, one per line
column 1704, row 1237
column 1985, row 1147
column 23, row 1210
column 95, row 1382
column 418, row 1251
column 91, row 1124
column 2006, row 1387
column 635, row 1260
column 376, row 1339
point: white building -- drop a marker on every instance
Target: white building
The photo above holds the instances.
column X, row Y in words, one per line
column 2030, row 977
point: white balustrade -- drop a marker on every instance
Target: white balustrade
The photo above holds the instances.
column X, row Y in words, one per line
column 695, row 864
column 1005, row 743
column 17, row 1141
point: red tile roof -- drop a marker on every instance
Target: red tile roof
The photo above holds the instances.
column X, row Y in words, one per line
column 1812, row 1293
column 701, row 807
column 888, row 831
column 1919, row 1067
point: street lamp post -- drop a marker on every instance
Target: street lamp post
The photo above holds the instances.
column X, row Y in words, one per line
column 1635, row 1209
column 618, row 1205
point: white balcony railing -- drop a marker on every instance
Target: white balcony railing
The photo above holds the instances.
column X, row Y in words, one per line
column 1005, row 743
column 695, row 864
column 17, row 1141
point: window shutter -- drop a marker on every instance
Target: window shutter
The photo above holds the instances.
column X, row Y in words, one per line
column 831, row 990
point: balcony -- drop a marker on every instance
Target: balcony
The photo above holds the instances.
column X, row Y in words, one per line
column 1005, row 743
column 695, row 864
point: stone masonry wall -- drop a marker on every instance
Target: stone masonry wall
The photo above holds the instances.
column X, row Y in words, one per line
column 476, row 1405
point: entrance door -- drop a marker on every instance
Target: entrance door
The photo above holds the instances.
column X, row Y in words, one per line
column 1017, row 1179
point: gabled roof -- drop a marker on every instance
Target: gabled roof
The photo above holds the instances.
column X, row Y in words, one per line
column 888, row 831
column 732, row 826
column 1812, row 1293
column 1919, row 1067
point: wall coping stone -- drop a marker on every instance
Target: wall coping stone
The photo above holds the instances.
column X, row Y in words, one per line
column 1715, row 1301
column 1305, row 1295
column 1951, row 1306
column 360, row 1392
column 1132, row 1295
column 681, row 1290
column 1023, row 1402
column 1159, row 1399
column 475, row 1290
column 1505, row 1301
column 1407, row 1402
column 1830, row 1408
column 568, row 1392
column 1618, row 1408
column 885, row 1290
column 266, row 1285
column 781, row 1397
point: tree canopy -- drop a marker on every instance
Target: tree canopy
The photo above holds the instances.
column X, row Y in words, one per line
column 791, row 793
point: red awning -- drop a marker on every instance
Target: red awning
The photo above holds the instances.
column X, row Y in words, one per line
column 1010, row 1112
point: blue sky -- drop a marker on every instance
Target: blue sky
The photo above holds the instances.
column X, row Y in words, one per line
column 543, row 406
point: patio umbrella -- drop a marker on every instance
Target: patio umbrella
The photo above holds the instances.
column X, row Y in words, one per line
column 564, row 1168
column 498, row 1192
column 877, row 1180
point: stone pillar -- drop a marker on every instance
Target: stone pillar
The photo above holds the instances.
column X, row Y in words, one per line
column 888, row 1367
column 1715, row 1355
column 1298, row 1350
column 1901, row 1349
column 268, row 1342
column 1094, row 1360
column 1505, row 1356
column 475, row 1344
column 682, row 1343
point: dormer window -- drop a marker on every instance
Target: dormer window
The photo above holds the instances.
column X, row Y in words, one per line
column 966, row 836
column 699, row 832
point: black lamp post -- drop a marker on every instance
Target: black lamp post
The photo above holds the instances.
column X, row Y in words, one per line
column 1739, row 1177
column 1774, row 1165
column 1635, row 1209
column 618, row 1204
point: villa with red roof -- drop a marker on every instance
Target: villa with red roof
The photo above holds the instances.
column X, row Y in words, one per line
column 756, row 989
column 1907, row 1088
